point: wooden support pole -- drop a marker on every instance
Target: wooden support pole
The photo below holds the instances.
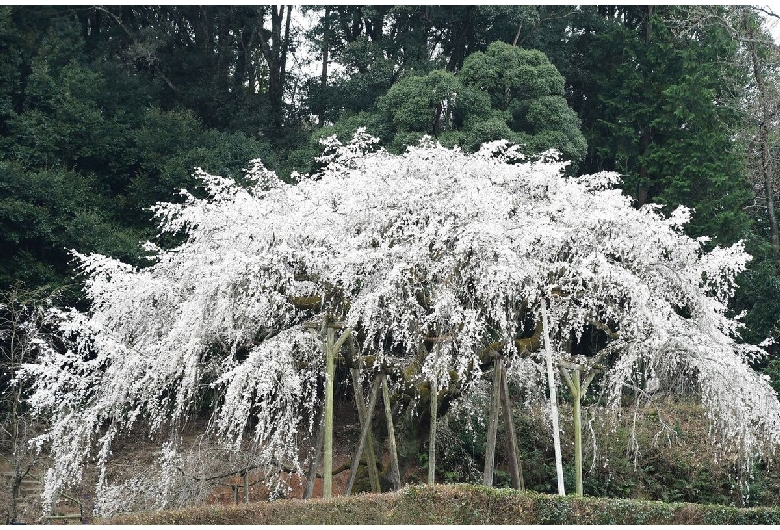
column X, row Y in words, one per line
column 364, row 433
column 515, row 464
column 61, row 517
column 577, row 391
column 579, row 388
column 373, row 474
column 553, row 400
column 246, row 487
column 577, row 434
column 332, row 347
column 495, row 405
column 432, row 432
column 330, row 370
column 395, row 474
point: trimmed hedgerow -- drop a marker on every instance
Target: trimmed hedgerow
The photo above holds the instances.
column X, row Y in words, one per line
column 459, row 504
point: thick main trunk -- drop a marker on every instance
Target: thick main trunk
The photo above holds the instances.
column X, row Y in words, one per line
column 16, row 490
column 274, row 49
column 324, row 71
column 460, row 43
column 645, row 134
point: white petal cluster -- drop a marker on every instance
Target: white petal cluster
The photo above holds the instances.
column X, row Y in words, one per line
column 433, row 247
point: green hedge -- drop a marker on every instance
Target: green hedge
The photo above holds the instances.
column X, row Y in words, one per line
column 458, row 504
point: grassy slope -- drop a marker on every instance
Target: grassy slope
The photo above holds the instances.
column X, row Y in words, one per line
column 458, row 504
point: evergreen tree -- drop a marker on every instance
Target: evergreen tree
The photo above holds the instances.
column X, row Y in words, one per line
column 504, row 93
column 662, row 112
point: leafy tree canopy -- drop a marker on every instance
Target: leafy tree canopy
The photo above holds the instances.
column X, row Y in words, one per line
column 504, row 93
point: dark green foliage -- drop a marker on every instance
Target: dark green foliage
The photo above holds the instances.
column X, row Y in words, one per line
column 170, row 145
column 662, row 112
column 46, row 212
column 505, row 93
column 526, row 91
column 85, row 151
column 759, row 296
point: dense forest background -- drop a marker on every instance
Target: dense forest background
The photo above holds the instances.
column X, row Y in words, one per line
column 105, row 111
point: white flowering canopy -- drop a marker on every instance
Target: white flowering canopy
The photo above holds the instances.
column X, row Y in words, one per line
column 434, row 246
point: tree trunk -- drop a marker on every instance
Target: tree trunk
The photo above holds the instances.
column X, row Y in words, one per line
column 285, row 45
column 515, row 464
column 395, row 474
column 495, row 406
column 461, row 39
column 553, row 400
column 324, row 72
column 645, row 133
column 763, row 139
column 364, row 433
column 16, row 490
column 274, row 49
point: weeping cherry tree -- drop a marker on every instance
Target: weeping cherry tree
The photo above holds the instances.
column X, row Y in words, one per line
column 429, row 265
